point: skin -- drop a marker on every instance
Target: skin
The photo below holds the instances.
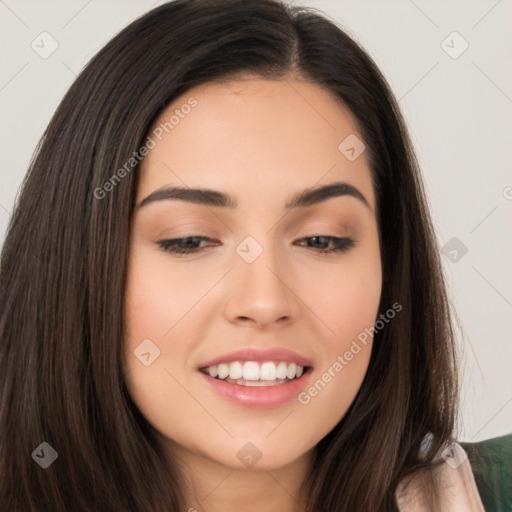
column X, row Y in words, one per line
column 262, row 142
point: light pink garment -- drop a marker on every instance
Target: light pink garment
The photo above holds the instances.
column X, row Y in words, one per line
column 458, row 489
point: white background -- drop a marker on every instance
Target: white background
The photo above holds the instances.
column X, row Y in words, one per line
column 459, row 115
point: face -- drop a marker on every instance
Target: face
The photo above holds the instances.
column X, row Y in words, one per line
column 269, row 288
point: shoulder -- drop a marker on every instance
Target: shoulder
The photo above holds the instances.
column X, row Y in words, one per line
column 454, row 480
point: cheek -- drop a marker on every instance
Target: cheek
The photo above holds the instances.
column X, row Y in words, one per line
column 152, row 319
column 159, row 297
column 346, row 299
column 354, row 306
column 337, row 380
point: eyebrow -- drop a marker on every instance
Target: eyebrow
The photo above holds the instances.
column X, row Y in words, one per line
column 208, row 197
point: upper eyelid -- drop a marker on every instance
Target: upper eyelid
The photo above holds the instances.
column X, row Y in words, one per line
column 345, row 228
column 336, row 220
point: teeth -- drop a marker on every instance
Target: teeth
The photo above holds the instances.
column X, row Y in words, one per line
column 281, row 371
column 223, row 371
column 268, row 371
column 252, row 373
column 292, row 370
column 235, row 370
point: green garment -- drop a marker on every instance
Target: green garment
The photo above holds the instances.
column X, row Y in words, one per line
column 491, row 462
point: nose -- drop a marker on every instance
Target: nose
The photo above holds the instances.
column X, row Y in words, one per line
column 262, row 293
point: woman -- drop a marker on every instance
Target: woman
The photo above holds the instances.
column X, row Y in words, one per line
column 221, row 287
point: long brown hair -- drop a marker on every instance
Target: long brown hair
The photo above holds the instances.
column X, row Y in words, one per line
column 64, row 262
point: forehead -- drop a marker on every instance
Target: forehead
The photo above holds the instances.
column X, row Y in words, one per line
column 251, row 132
column 289, row 99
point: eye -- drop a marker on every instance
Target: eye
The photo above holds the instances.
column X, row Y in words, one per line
column 340, row 244
column 190, row 244
column 186, row 245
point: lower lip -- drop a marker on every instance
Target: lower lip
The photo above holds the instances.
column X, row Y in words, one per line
column 263, row 397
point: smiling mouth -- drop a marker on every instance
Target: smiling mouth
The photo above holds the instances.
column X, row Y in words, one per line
column 255, row 374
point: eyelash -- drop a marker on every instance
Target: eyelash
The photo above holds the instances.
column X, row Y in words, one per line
column 172, row 245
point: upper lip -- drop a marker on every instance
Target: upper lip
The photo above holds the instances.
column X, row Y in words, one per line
column 260, row 355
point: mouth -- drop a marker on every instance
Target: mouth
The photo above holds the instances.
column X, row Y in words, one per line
column 256, row 374
column 257, row 379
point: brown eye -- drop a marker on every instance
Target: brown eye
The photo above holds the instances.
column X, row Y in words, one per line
column 340, row 244
column 186, row 245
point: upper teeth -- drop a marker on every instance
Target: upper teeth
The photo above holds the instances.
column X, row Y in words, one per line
column 252, row 370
